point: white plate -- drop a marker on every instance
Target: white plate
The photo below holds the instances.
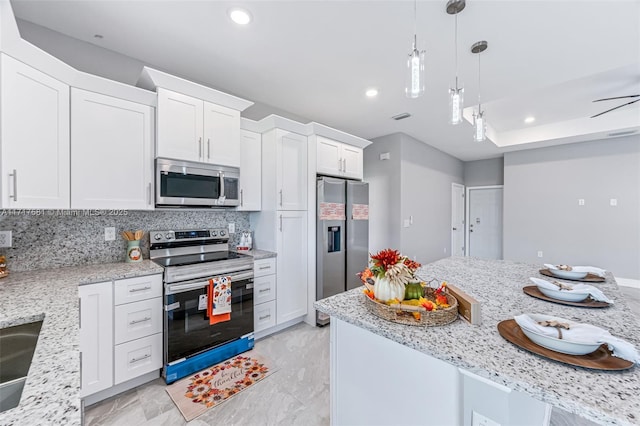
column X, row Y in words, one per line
column 558, row 345
column 569, row 275
column 567, row 296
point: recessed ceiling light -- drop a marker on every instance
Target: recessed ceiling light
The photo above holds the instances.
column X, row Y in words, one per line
column 529, row 120
column 371, row 93
column 98, row 36
column 240, row 16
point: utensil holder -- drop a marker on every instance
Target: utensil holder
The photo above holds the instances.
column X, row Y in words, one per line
column 134, row 253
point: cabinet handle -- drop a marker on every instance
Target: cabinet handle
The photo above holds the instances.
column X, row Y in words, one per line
column 200, row 147
column 15, row 185
column 280, row 223
column 241, row 198
column 139, row 359
column 340, row 164
column 80, row 370
column 149, row 193
column 80, row 313
column 281, row 198
column 344, row 167
column 139, row 321
column 264, row 267
column 133, row 290
column 208, row 148
column 264, row 289
column 265, row 317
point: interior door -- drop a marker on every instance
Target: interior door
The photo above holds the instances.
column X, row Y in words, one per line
column 457, row 219
column 485, row 222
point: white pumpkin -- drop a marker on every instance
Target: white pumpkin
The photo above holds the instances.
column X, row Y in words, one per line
column 385, row 290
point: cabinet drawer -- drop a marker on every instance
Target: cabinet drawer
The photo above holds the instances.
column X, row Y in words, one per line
column 138, row 319
column 264, row 267
column 138, row 288
column 264, row 289
column 133, row 359
column 264, row 315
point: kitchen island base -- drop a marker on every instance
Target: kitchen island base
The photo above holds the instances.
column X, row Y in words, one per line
column 377, row 381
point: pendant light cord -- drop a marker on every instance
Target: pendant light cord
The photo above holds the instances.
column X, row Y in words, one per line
column 415, row 24
column 456, row 49
column 479, row 103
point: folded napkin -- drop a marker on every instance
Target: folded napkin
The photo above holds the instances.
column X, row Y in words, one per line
column 588, row 269
column 583, row 333
column 594, row 292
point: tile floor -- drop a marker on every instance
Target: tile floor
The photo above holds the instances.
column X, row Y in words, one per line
column 296, row 394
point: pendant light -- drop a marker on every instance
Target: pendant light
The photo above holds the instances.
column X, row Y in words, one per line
column 479, row 123
column 415, row 64
column 456, row 94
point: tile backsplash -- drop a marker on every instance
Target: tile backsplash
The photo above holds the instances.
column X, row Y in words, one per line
column 54, row 239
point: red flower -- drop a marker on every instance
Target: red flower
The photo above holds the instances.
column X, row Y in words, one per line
column 386, row 258
column 412, row 264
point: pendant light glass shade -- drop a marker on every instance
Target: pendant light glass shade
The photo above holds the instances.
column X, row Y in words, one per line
column 456, row 101
column 479, row 126
column 415, row 73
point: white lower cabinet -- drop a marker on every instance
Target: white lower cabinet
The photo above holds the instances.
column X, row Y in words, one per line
column 264, row 294
column 264, row 316
column 120, row 333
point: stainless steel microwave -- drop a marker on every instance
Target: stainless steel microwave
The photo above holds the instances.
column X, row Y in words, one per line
column 189, row 184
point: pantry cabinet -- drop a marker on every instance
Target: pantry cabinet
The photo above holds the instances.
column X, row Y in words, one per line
column 291, row 170
column 112, row 161
column 96, row 337
column 195, row 130
column 250, row 171
column 338, row 159
column 34, row 111
column 291, row 246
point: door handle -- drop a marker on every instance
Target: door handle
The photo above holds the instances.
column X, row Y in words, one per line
column 208, row 149
column 15, row 185
column 470, row 230
column 455, row 229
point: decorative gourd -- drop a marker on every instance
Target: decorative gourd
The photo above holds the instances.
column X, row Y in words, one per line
column 413, row 291
column 386, row 290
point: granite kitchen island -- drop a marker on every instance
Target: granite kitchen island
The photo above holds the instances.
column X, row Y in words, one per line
column 441, row 375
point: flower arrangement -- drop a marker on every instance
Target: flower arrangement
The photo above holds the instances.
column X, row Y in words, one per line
column 388, row 273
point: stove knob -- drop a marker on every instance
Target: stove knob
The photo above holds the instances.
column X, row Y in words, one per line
column 168, row 236
column 157, row 236
column 223, row 233
column 214, row 233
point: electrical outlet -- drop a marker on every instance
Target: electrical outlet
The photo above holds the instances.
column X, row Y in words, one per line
column 613, row 202
column 5, row 238
column 581, row 201
column 539, row 254
column 109, row 233
column 406, row 223
column 232, row 228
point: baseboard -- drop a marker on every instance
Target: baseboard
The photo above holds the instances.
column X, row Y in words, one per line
column 269, row 331
column 119, row 388
column 628, row 282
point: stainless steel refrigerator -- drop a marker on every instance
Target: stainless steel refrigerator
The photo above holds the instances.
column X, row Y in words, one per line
column 342, row 241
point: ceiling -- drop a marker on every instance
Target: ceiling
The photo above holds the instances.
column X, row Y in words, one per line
column 548, row 59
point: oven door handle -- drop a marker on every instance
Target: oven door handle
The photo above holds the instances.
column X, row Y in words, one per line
column 180, row 288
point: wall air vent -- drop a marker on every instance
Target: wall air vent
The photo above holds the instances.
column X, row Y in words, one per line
column 624, row 133
column 401, row 116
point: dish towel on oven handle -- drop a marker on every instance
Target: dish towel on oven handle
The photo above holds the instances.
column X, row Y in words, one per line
column 219, row 300
column 583, row 333
column 595, row 293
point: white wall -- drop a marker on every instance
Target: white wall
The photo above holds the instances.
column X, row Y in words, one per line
column 414, row 184
column 541, row 211
column 484, row 172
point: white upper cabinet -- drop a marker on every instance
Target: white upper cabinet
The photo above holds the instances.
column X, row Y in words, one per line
column 35, row 138
column 250, row 171
column 180, row 126
column 112, row 161
column 221, row 139
column 195, row 130
column 338, row 159
column 291, row 170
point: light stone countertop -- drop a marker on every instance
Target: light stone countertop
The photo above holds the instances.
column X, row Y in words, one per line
column 51, row 392
column 259, row 254
column 603, row 397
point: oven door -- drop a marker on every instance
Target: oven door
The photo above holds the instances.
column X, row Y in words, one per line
column 186, row 328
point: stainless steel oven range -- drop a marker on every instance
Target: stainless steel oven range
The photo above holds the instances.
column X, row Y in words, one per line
column 191, row 258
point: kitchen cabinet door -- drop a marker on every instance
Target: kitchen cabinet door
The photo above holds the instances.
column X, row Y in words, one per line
column 180, row 126
column 291, row 172
column 96, row 337
column 112, row 157
column 291, row 292
column 35, row 138
column 328, row 158
column 221, row 142
column 250, row 171
column 352, row 159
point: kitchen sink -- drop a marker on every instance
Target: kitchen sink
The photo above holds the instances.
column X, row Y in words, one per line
column 17, row 345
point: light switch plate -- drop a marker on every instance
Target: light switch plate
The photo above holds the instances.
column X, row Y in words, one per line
column 613, row 202
column 109, row 233
column 581, row 201
column 5, row 239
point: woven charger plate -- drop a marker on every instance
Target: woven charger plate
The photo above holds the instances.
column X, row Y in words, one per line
column 403, row 314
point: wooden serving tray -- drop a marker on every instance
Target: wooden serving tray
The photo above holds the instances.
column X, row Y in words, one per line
column 600, row 359
column 590, row 278
column 533, row 291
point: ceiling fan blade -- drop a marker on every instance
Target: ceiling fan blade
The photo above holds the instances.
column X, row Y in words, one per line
column 619, row 106
column 617, row 97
